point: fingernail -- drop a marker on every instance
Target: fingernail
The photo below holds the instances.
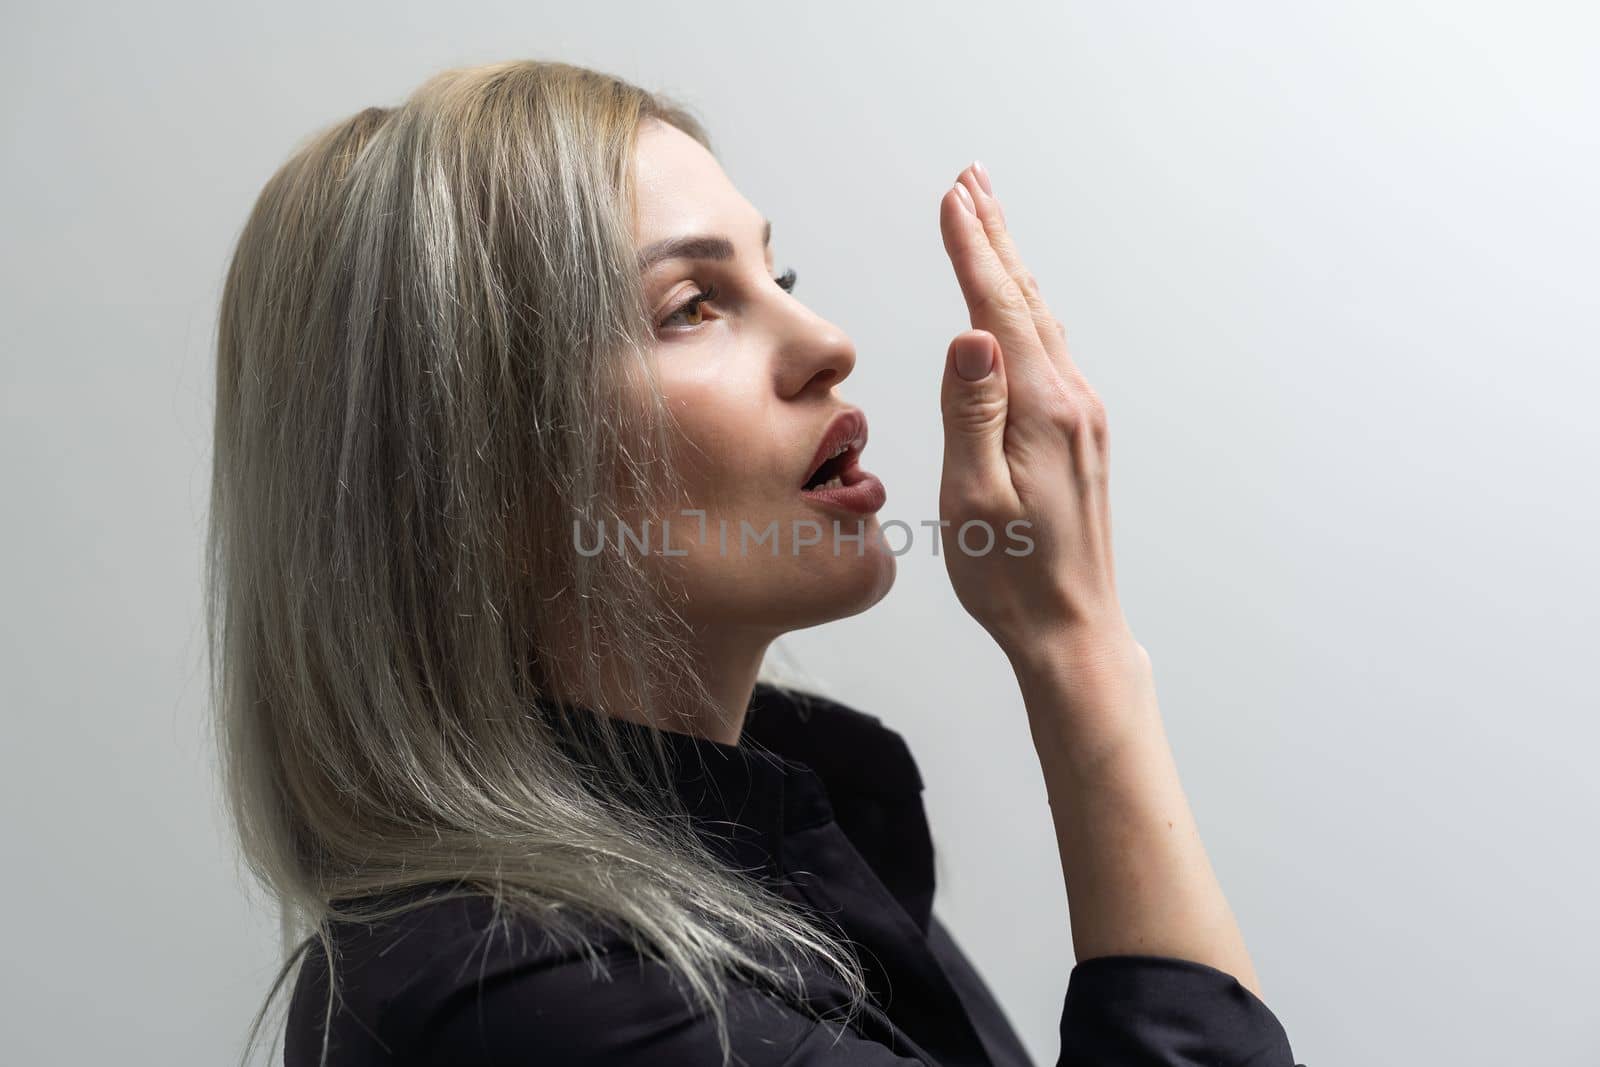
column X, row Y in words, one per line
column 983, row 177
column 965, row 198
column 974, row 364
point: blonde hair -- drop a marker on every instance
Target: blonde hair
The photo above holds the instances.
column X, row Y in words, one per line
column 426, row 342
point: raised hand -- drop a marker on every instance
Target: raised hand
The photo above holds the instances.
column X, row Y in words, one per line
column 1025, row 439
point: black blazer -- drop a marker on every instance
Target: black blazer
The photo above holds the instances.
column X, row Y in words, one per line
column 824, row 803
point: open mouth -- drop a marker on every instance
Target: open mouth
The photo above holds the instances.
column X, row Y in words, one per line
column 835, row 469
column 838, row 452
column 837, row 479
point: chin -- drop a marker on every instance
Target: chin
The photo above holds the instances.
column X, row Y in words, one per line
column 791, row 593
column 837, row 587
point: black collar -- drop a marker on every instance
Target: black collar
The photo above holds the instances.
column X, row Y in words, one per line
column 804, row 761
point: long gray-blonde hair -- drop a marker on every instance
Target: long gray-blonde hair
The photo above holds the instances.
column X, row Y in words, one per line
column 429, row 345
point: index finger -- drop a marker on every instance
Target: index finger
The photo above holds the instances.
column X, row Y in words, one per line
column 994, row 300
column 1051, row 333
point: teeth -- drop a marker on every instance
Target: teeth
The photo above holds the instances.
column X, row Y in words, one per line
column 847, row 446
column 836, row 482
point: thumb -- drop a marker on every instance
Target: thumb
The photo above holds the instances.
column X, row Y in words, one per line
column 973, row 399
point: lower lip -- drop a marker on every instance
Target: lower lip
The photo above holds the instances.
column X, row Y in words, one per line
column 861, row 493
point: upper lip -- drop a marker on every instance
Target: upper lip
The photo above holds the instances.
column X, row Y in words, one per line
column 846, row 433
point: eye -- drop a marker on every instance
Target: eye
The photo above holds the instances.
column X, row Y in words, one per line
column 692, row 306
column 786, row 282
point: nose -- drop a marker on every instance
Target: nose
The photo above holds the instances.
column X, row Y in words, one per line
column 814, row 354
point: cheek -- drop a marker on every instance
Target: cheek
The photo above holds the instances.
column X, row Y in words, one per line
column 729, row 453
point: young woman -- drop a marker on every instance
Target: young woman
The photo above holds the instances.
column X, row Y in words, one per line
column 524, row 457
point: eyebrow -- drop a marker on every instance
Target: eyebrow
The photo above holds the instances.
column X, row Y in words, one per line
column 694, row 246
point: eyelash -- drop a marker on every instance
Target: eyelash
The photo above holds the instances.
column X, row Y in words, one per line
column 786, row 282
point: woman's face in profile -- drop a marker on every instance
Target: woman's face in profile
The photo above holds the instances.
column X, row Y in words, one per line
column 751, row 377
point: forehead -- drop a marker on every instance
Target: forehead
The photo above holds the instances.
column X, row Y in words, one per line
column 680, row 188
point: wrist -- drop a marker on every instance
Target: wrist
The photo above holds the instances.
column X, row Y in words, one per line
column 1099, row 652
column 1090, row 695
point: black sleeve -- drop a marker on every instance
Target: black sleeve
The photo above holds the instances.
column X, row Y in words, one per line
column 633, row 1017
column 1120, row 1011
column 1155, row 1011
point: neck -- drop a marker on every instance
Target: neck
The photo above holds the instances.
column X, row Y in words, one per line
column 727, row 662
column 729, row 665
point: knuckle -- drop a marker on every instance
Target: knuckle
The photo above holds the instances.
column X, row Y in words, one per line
column 975, row 415
column 1001, row 298
column 983, row 300
column 1062, row 405
column 1095, row 412
column 1067, row 414
column 1026, row 284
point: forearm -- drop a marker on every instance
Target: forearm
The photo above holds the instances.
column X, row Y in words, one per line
column 1137, row 875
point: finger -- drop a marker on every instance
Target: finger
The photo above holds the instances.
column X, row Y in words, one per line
column 994, row 302
column 973, row 401
column 1052, row 335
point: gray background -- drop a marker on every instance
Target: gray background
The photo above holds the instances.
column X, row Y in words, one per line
column 1332, row 266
